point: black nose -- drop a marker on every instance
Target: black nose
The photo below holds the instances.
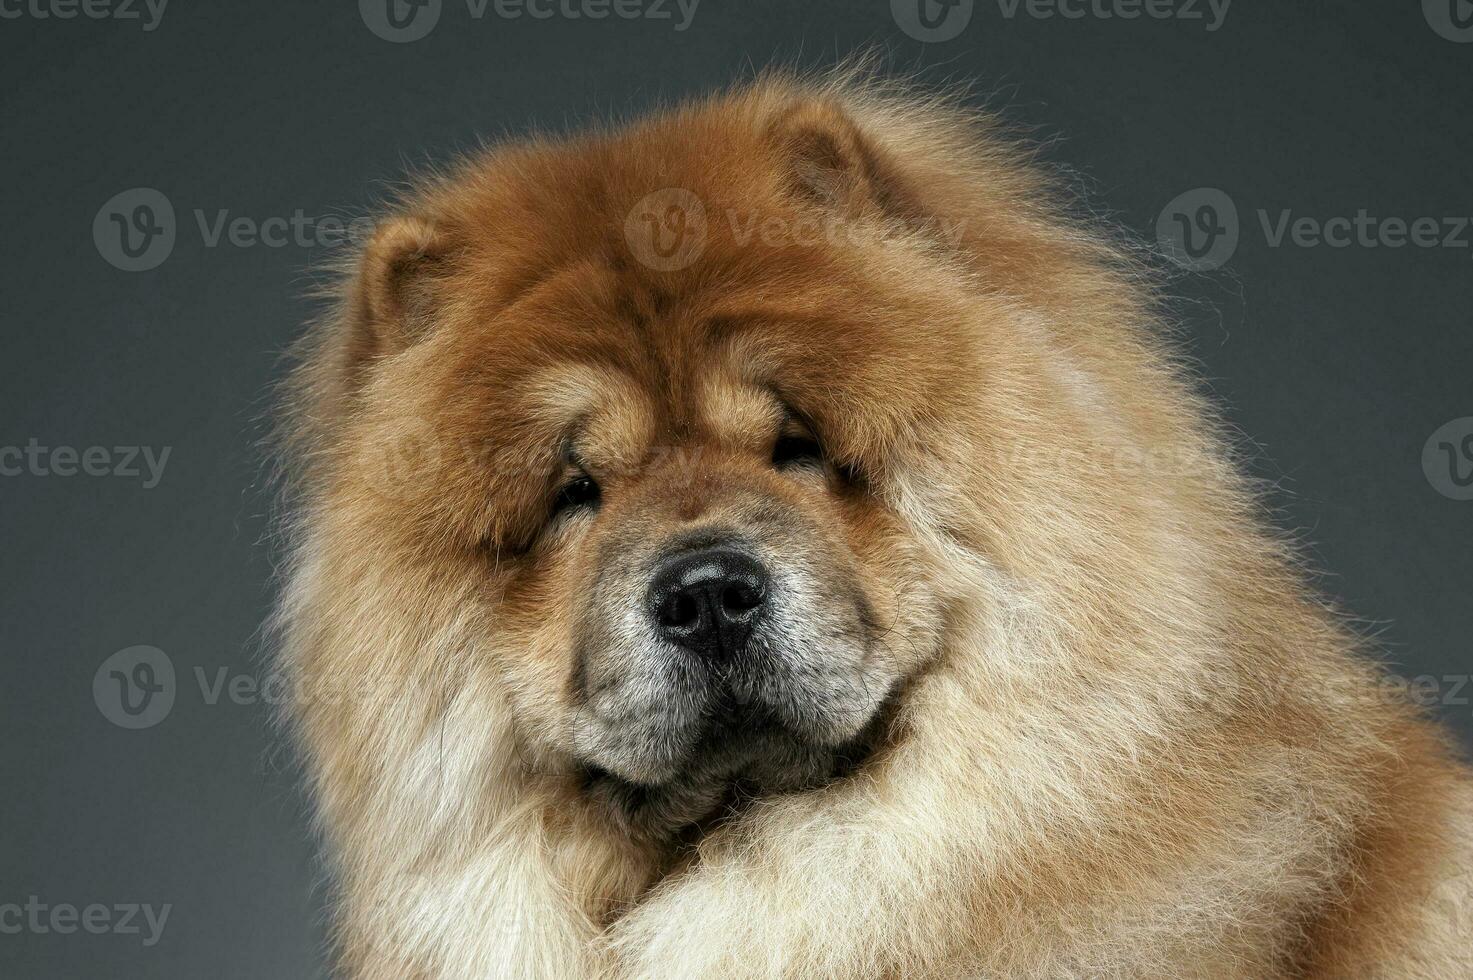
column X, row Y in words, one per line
column 706, row 600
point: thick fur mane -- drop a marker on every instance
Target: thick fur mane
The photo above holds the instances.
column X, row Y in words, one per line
column 1144, row 746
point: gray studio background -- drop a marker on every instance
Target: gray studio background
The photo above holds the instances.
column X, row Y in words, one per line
column 1340, row 363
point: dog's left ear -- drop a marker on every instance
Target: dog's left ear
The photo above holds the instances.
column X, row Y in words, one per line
column 828, row 161
column 396, row 301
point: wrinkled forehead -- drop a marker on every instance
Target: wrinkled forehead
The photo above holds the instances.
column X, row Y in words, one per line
column 630, row 358
column 607, row 420
column 610, row 370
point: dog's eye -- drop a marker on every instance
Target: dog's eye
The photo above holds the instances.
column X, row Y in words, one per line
column 796, row 450
column 581, row 491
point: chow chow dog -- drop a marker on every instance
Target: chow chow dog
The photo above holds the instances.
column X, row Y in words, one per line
column 774, row 539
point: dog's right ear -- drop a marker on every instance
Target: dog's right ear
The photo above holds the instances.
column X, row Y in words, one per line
column 829, row 161
column 392, row 297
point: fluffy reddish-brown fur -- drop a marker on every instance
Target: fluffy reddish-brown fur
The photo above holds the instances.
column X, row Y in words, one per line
column 1123, row 738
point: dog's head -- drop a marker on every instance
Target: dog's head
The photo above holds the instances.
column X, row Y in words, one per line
column 670, row 431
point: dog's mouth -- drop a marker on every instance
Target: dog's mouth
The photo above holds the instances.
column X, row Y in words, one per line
column 744, row 754
column 719, row 690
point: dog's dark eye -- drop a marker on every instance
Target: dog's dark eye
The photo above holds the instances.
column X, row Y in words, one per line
column 581, row 491
column 796, row 450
